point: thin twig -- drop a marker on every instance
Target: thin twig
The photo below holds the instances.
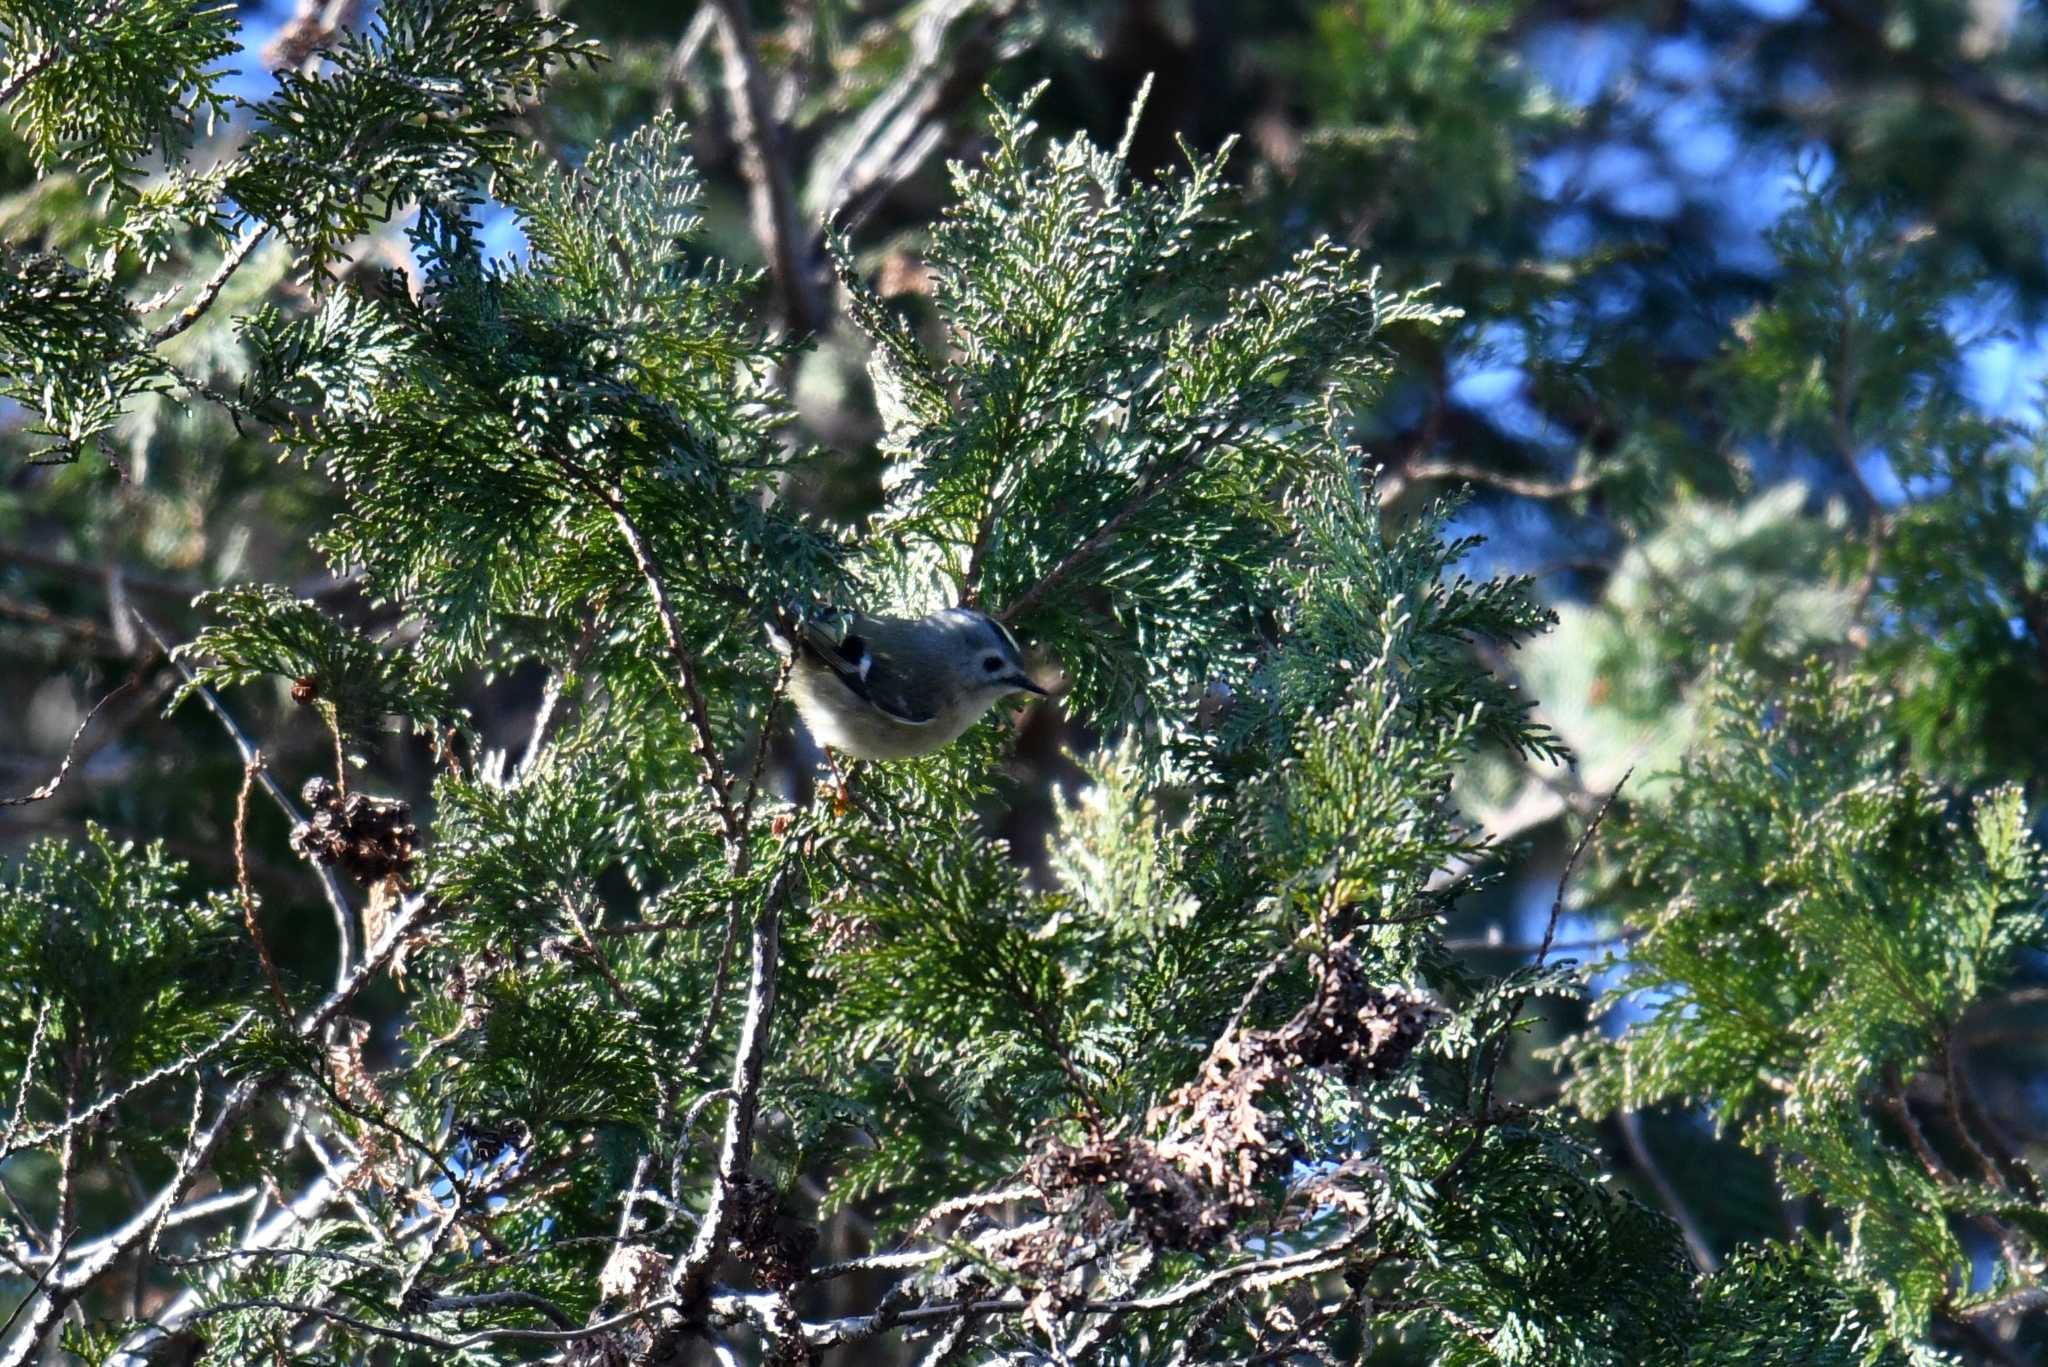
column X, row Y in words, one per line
column 597, row 957
column 1894, row 1101
column 298, row 1214
column 761, row 745
column 1150, row 489
column 1479, row 944
column 2003, row 1146
column 900, row 128
column 250, row 239
column 1543, row 948
column 107, row 10
column 749, row 1058
column 56, row 1260
column 56, row 780
column 199, row 1151
column 2023, row 1301
column 1261, row 1272
column 1953, row 1087
column 716, row 782
column 771, row 195
column 156, row 586
column 186, row 1214
column 1501, row 479
column 676, row 72
column 1696, row 1244
column 74, row 1120
column 424, row 1340
column 344, row 919
column 37, row 1038
column 249, row 772
column 1958, row 81
column 488, row 1300
column 1251, row 995
column 87, row 634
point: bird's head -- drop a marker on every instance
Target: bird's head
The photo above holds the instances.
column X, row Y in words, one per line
column 988, row 663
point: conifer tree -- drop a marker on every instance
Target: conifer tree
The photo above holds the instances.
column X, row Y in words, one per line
column 612, row 1047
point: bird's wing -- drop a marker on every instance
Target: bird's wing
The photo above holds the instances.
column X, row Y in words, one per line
column 893, row 690
column 835, row 641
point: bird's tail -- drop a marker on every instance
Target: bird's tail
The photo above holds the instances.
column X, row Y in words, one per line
column 794, row 622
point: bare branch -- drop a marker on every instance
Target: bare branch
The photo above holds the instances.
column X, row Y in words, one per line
column 1154, row 485
column 251, row 238
column 736, row 1155
column 2024, row 1301
column 1571, row 864
column 1696, row 1244
column 1893, row 1101
column 337, row 901
column 716, row 782
column 761, row 743
column 1501, row 479
column 36, row 1040
column 488, row 1300
column 56, row 1257
column 58, row 1295
column 297, row 1215
column 255, row 928
column 411, row 910
column 424, row 1340
column 771, row 196
column 155, row 586
column 1956, row 81
column 56, row 780
column 1256, row 1274
column 87, row 634
column 184, row 1063
column 1522, row 949
column 203, row 1208
column 900, row 128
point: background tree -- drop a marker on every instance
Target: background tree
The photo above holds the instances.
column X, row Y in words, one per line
column 416, row 426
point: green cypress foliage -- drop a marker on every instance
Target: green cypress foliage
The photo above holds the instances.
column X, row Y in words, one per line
column 616, row 1023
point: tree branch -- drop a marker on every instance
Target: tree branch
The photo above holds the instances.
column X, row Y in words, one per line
column 1501, row 479
column 1153, row 486
column 56, row 780
column 1961, row 82
column 897, row 132
column 1256, row 1274
column 87, row 634
column 248, row 242
column 1696, row 1244
column 61, row 1292
column 107, row 10
column 736, row 1155
column 183, row 1063
column 435, row 1341
column 771, row 196
column 716, row 781
column 2021, row 1302
column 1500, row 1042
column 337, row 901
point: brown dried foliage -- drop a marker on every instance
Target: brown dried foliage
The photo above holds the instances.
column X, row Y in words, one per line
column 1213, row 1145
column 776, row 1247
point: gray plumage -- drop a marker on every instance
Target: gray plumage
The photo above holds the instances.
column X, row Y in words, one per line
column 890, row 687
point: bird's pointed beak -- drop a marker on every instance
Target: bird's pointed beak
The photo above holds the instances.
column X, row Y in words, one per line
column 1023, row 683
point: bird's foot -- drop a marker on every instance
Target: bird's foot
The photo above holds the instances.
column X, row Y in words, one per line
column 842, row 792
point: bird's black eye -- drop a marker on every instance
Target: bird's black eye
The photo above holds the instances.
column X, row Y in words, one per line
column 992, row 663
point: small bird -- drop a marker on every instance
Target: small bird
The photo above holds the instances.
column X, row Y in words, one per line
column 892, row 688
